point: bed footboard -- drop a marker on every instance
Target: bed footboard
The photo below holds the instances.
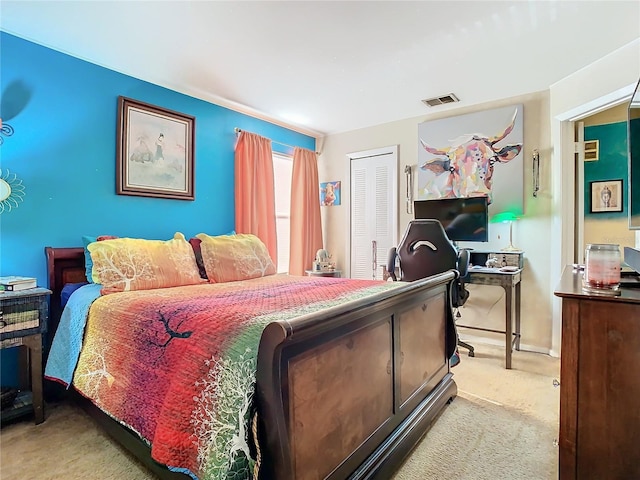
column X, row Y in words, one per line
column 348, row 393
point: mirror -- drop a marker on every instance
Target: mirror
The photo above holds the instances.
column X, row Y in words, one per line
column 634, row 160
column 5, row 189
column 607, row 169
column 11, row 191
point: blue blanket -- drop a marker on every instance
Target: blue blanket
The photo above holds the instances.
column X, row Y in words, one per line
column 67, row 343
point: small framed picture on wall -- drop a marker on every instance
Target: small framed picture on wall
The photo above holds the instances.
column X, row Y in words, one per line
column 330, row 194
column 606, row 196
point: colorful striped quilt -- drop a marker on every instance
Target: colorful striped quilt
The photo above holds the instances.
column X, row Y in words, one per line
column 178, row 365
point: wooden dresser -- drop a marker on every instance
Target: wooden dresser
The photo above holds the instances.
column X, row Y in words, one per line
column 599, row 382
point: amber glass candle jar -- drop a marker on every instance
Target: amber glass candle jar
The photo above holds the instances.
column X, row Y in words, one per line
column 602, row 266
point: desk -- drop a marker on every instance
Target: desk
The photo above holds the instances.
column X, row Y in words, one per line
column 510, row 281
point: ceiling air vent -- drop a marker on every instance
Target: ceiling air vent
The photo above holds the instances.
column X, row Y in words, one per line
column 434, row 102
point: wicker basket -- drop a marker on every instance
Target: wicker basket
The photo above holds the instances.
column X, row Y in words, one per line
column 19, row 314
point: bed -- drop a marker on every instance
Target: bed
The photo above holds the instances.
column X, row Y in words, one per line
column 342, row 392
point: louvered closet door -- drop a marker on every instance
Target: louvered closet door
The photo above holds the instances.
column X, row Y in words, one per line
column 374, row 207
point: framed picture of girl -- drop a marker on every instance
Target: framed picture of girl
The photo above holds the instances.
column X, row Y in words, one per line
column 155, row 151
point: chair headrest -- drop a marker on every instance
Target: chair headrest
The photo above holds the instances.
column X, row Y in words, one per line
column 425, row 250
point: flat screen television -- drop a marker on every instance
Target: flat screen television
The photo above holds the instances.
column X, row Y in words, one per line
column 464, row 219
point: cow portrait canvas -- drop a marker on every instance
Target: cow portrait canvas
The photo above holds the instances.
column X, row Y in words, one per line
column 329, row 194
column 474, row 155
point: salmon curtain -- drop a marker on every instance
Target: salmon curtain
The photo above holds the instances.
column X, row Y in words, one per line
column 254, row 190
column 306, row 226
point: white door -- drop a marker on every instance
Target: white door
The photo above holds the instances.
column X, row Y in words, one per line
column 374, row 210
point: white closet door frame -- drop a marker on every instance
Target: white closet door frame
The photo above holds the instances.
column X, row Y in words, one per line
column 390, row 150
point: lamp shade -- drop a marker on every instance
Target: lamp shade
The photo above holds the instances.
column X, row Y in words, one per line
column 507, row 217
column 504, row 217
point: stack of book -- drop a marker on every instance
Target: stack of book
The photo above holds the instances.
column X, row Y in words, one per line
column 15, row 283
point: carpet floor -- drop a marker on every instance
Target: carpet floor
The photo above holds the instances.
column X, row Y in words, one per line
column 502, row 425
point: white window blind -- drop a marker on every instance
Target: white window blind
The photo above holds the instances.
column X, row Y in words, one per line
column 282, row 172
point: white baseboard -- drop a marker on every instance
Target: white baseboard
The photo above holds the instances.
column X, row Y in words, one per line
column 501, row 343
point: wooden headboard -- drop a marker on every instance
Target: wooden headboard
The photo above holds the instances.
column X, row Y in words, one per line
column 64, row 265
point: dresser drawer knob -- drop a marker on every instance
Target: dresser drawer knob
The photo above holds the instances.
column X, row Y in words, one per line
column 3, row 324
column 556, row 383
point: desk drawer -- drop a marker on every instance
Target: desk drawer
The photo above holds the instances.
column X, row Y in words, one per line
column 506, row 259
column 500, row 259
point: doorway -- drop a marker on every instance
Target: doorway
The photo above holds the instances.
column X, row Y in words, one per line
column 604, row 166
column 564, row 178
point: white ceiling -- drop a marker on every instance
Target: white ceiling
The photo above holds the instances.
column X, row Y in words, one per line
column 331, row 66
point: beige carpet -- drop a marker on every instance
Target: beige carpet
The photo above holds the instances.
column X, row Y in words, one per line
column 501, row 426
column 68, row 445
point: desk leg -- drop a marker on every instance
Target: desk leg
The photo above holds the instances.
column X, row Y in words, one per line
column 34, row 343
column 518, row 316
column 509, row 325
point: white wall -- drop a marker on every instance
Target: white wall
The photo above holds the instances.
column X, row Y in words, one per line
column 486, row 305
column 546, row 232
column 595, row 88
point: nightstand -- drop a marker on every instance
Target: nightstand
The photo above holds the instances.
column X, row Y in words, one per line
column 23, row 322
column 324, row 273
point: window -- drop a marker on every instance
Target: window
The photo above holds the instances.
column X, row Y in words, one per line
column 282, row 171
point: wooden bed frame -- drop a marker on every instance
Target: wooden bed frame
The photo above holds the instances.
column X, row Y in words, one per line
column 346, row 393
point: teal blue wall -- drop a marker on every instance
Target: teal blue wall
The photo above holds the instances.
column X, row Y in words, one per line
column 611, row 165
column 64, row 150
column 634, row 152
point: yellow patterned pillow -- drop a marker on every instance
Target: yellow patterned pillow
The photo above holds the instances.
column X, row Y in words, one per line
column 228, row 258
column 125, row 264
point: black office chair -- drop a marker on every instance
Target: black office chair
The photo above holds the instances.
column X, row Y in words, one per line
column 426, row 250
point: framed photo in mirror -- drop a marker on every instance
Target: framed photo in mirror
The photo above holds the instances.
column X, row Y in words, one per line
column 606, row 196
